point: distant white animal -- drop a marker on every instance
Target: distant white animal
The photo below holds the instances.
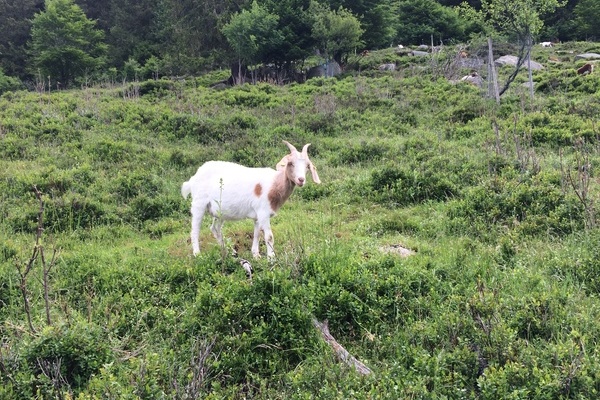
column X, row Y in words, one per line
column 546, row 44
column 230, row 191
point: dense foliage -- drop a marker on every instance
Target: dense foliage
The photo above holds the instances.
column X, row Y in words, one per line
column 498, row 203
column 189, row 37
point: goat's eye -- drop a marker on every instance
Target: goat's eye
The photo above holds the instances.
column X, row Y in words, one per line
column 291, row 164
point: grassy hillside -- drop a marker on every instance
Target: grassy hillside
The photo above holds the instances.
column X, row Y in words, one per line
column 498, row 203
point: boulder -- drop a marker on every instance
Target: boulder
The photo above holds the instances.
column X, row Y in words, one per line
column 512, row 61
column 471, row 63
column 587, row 56
column 387, row 67
column 328, row 70
column 473, row 79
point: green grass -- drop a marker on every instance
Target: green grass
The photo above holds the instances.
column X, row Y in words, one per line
column 499, row 300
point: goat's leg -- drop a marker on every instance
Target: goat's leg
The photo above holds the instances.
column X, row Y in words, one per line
column 197, row 215
column 269, row 239
column 216, row 230
column 255, row 239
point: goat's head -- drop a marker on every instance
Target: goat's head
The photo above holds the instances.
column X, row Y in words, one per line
column 295, row 165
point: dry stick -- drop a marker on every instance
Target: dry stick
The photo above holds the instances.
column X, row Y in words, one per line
column 341, row 353
column 36, row 251
column 45, row 267
column 581, row 188
column 46, row 271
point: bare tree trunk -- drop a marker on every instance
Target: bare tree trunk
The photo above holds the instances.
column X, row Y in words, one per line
column 492, row 77
column 529, row 46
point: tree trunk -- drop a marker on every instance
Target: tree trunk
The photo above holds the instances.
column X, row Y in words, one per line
column 492, row 77
column 529, row 46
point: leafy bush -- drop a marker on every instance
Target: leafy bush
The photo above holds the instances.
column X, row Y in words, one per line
column 360, row 152
column 398, row 186
column 8, row 83
column 68, row 213
column 76, row 351
column 530, row 206
column 261, row 329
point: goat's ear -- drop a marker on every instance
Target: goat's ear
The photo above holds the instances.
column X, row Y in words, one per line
column 313, row 172
column 283, row 163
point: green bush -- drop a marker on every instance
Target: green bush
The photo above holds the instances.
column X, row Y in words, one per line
column 262, row 329
column 78, row 351
column 531, row 206
column 397, row 186
column 8, row 83
column 360, row 152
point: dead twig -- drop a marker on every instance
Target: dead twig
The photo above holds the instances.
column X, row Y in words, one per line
column 340, row 351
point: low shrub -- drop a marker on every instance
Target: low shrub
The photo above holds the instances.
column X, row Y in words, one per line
column 531, row 206
column 402, row 187
column 359, row 152
column 72, row 352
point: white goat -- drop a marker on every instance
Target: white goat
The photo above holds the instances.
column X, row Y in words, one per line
column 230, row 191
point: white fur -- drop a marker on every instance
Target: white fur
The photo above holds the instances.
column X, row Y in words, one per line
column 230, row 191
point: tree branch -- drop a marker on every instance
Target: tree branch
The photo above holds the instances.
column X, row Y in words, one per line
column 340, row 351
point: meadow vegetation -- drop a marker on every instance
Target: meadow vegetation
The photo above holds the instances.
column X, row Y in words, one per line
column 498, row 202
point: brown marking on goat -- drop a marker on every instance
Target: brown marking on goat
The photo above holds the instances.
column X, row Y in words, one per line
column 257, row 190
column 586, row 69
column 280, row 191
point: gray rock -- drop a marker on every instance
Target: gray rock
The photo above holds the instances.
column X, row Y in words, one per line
column 512, row 61
column 473, row 79
column 330, row 69
column 387, row 67
column 587, row 56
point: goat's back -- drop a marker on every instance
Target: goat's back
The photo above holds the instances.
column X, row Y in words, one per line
column 216, row 179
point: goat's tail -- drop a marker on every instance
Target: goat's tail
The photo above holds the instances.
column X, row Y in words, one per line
column 186, row 189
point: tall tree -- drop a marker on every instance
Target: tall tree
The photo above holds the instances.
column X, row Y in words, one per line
column 295, row 25
column 587, row 16
column 419, row 20
column 65, row 44
column 131, row 32
column 15, row 26
column 377, row 18
column 251, row 33
column 562, row 24
column 337, row 32
column 190, row 32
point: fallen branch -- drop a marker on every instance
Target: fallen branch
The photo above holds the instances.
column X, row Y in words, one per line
column 340, row 351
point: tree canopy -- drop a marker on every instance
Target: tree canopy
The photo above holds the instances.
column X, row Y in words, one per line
column 336, row 32
column 251, row 33
column 65, row 45
column 181, row 37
